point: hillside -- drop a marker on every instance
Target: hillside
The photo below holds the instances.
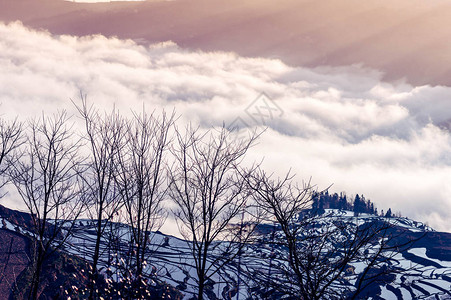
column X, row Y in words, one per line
column 420, row 271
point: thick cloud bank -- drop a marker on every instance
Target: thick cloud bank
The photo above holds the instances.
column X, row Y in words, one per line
column 338, row 125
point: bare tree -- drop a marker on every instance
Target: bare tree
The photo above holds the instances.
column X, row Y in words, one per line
column 207, row 187
column 10, row 140
column 47, row 178
column 104, row 136
column 322, row 248
column 142, row 187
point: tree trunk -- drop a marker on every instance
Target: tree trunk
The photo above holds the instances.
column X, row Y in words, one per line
column 95, row 261
column 201, row 289
column 37, row 274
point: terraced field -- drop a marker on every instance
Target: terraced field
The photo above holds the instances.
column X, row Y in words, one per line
column 419, row 275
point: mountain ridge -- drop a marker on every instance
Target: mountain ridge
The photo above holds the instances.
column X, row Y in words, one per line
column 171, row 262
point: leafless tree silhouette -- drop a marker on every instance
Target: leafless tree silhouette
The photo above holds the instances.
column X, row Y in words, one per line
column 322, row 248
column 142, row 187
column 10, row 140
column 207, row 187
column 47, row 177
column 104, row 134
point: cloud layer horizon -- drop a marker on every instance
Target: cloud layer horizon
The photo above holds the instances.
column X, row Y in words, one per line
column 340, row 126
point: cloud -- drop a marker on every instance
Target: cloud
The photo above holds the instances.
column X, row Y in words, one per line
column 338, row 125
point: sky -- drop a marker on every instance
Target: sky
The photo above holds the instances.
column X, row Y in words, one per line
column 405, row 39
column 348, row 126
column 99, row 1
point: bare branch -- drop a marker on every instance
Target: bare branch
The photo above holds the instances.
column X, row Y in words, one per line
column 207, row 187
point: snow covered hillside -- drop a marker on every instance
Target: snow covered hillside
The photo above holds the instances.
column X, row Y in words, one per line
column 416, row 271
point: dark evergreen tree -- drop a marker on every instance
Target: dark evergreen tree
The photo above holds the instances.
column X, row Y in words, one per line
column 315, row 202
column 321, row 204
column 335, row 201
column 357, row 205
column 388, row 214
column 343, row 202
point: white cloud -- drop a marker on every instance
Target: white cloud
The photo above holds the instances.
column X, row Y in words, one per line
column 339, row 125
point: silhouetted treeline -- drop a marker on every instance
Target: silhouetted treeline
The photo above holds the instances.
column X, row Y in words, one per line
column 358, row 204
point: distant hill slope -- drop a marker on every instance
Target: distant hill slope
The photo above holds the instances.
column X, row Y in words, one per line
column 61, row 271
column 171, row 261
column 13, row 260
column 423, row 271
